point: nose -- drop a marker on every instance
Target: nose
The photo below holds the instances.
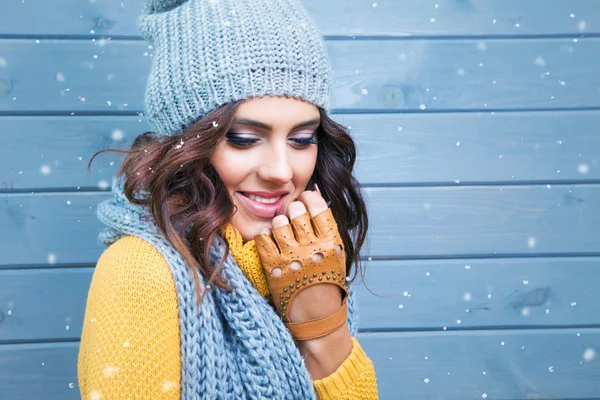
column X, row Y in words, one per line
column 275, row 166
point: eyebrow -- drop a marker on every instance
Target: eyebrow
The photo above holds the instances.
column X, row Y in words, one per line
column 262, row 125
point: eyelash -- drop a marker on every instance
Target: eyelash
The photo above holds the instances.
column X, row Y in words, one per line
column 235, row 140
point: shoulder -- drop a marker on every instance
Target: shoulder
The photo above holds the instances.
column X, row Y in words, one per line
column 131, row 260
column 131, row 274
column 131, row 325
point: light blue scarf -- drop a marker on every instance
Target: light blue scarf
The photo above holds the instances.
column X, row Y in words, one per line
column 234, row 345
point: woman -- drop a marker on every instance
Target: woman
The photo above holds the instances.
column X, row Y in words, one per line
column 227, row 275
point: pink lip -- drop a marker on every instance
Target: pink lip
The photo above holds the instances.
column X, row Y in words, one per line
column 260, row 209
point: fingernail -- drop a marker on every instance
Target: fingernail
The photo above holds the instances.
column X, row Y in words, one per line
column 317, row 188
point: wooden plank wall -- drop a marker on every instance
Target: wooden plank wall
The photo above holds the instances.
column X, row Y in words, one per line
column 477, row 126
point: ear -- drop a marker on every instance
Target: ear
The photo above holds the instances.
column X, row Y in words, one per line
column 158, row 6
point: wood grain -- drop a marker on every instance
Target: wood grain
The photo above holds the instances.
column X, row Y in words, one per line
column 48, row 304
column 505, row 365
column 333, row 17
column 75, row 76
column 530, row 147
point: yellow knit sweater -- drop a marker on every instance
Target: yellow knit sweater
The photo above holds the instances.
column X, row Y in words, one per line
column 130, row 343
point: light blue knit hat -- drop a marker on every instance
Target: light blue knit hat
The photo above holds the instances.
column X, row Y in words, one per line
column 211, row 52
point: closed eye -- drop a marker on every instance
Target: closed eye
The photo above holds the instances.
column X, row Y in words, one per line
column 240, row 141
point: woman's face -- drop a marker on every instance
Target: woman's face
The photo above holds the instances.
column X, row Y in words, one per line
column 267, row 158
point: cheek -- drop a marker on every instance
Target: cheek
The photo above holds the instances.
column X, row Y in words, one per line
column 303, row 166
column 229, row 166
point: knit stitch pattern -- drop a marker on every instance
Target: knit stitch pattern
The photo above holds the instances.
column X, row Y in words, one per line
column 211, row 52
column 247, row 258
column 234, row 345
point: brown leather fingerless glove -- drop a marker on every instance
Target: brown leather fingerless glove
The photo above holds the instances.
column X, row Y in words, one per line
column 307, row 252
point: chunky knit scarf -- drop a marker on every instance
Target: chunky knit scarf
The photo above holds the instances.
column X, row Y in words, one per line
column 233, row 346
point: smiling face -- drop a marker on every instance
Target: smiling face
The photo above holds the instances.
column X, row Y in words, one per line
column 267, row 158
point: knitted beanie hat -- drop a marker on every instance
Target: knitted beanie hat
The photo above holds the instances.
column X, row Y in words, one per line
column 211, row 52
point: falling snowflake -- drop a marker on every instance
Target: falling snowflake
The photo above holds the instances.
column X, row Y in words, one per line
column 531, row 242
column 110, row 371
column 117, row 135
column 169, row 385
column 51, row 258
column 589, row 354
column 583, row 168
column 45, row 169
column 540, row 62
column 95, row 395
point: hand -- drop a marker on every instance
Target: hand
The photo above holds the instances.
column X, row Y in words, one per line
column 303, row 255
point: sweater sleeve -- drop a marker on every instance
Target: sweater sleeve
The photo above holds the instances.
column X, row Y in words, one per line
column 353, row 380
column 130, row 344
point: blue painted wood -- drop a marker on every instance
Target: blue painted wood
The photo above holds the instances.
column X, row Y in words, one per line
column 537, row 147
column 413, row 75
column 405, row 222
column 532, row 364
column 49, row 304
column 334, row 17
column 493, row 202
column 508, row 365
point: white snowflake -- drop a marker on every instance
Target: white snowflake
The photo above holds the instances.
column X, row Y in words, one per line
column 45, row 169
column 51, row 258
column 589, row 354
column 583, row 168
column 117, row 135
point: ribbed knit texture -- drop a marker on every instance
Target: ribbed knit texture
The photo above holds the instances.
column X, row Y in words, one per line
column 247, row 258
column 130, row 343
column 234, row 345
column 211, row 52
column 354, row 379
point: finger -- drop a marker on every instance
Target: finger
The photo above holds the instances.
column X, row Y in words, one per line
column 315, row 203
column 284, row 236
column 303, row 229
column 267, row 250
column 325, row 226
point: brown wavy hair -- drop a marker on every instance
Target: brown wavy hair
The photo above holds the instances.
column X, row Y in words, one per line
column 185, row 192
